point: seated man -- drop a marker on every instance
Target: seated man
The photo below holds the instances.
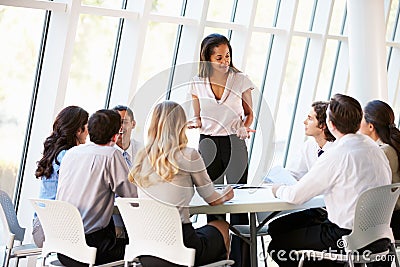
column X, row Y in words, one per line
column 352, row 166
column 126, row 143
column 322, row 140
column 128, row 147
column 315, row 126
column 90, row 176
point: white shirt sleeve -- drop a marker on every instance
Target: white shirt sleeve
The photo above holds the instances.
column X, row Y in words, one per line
column 316, row 182
column 247, row 83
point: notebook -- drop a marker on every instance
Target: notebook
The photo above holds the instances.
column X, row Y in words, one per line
column 279, row 175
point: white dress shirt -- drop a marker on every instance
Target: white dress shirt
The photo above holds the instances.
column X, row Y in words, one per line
column 353, row 165
column 132, row 150
column 309, row 155
column 90, row 176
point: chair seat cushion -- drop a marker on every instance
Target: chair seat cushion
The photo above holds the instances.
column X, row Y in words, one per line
column 245, row 230
column 114, row 263
column 57, row 263
column 25, row 250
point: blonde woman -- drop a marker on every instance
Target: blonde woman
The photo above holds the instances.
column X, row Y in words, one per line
column 167, row 170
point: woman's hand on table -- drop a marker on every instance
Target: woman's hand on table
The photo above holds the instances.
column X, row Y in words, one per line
column 227, row 193
column 220, row 198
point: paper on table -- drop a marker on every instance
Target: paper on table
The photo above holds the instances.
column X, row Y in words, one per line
column 279, row 175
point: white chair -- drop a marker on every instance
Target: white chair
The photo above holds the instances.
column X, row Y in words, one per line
column 11, row 231
column 63, row 229
column 154, row 229
column 371, row 222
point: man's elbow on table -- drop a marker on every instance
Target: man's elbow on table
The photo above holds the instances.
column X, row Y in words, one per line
column 287, row 193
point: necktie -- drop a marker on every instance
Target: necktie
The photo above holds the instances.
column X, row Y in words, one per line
column 127, row 158
column 320, row 151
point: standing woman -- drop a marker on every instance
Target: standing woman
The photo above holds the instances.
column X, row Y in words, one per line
column 378, row 123
column 222, row 105
column 69, row 130
column 167, row 170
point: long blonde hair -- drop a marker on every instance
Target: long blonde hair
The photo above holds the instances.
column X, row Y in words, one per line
column 166, row 136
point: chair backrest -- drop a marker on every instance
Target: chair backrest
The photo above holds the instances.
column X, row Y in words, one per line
column 154, row 229
column 372, row 217
column 10, row 228
column 63, row 230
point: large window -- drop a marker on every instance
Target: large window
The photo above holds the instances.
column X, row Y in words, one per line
column 91, row 62
column 19, row 58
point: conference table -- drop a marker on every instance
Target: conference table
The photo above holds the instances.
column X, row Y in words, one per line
column 251, row 199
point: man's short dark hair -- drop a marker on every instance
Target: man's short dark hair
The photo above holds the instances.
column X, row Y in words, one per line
column 124, row 108
column 345, row 113
column 320, row 109
column 103, row 125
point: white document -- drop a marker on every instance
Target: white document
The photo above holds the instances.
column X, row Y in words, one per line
column 279, row 175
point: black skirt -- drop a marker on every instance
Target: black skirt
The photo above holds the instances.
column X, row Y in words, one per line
column 207, row 241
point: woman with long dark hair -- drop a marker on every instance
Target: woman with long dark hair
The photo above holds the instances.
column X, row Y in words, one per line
column 69, row 130
column 378, row 123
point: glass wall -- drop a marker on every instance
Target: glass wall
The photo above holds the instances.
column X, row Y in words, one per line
column 19, row 58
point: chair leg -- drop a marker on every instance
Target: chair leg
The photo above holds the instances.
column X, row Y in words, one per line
column 6, row 262
column 393, row 250
column 43, row 261
column 301, row 261
column 351, row 263
column 263, row 248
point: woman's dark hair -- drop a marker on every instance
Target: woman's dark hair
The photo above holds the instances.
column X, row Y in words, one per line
column 103, row 125
column 63, row 137
column 320, row 111
column 345, row 113
column 207, row 49
column 381, row 115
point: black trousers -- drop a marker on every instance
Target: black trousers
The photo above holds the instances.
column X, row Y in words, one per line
column 109, row 248
column 227, row 156
column 395, row 224
column 311, row 229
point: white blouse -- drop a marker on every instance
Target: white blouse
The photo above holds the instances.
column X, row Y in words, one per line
column 221, row 117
